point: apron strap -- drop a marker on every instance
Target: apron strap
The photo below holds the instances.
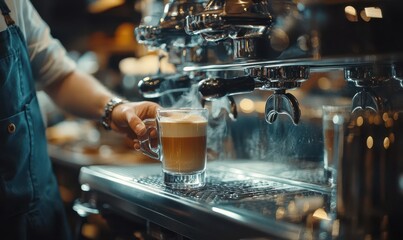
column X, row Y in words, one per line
column 5, row 11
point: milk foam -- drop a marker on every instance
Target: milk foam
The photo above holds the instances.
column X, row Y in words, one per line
column 183, row 125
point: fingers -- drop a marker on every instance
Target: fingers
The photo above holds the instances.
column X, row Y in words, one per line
column 142, row 110
column 139, row 126
column 136, row 145
column 128, row 119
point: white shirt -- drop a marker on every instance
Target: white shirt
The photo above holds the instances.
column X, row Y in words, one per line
column 48, row 57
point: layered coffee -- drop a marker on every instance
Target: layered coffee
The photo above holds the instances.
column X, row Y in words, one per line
column 183, row 141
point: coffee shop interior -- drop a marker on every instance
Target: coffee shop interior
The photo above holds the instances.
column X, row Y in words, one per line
column 305, row 125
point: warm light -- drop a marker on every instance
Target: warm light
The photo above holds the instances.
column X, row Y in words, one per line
column 247, row 105
column 371, row 119
column 373, row 12
column 103, row 5
column 389, row 123
column 89, row 230
column 305, row 207
column 350, row 10
column 360, row 121
column 128, row 66
column 321, row 214
column 260, row 107
column 146, row 65
column 324, row 83
column 291, row 207
column 385, row 117
column 392, row 137
column 364, row 16
column 377, row 120
column 335, row 228
column 386, row 143
column 370, row 142
column 351, row 14
column 124, row 34
column 350, row 138
column 166, row 66
column 280, row 213
column 395, row 116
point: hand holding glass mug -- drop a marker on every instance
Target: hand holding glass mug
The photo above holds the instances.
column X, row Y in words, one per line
column 181, row 145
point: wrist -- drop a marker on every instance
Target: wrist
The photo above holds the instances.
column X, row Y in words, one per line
column 106, row 119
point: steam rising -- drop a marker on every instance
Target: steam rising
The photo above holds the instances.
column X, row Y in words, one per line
column 218, row 133
column 250, row 136
column 191, row 98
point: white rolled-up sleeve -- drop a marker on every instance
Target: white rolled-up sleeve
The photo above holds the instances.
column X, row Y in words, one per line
column 49, row 59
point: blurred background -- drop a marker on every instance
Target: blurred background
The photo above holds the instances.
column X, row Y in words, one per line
column 99, row 36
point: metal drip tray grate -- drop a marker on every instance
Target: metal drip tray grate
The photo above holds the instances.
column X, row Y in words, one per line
column 217, row 191
column 243, row 194
column 237, row 192
column 226, row 187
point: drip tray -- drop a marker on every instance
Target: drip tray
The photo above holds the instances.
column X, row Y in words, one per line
column 239, row 193
column 235, row 197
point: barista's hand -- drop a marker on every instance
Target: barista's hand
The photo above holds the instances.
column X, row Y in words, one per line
column 127, row 119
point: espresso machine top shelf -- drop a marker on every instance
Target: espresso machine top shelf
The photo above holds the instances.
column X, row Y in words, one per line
column 315, row 65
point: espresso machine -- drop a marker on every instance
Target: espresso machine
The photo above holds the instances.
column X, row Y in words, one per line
column 278, row 52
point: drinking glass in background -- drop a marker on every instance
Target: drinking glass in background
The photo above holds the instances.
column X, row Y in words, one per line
column 181, row 146
column 335, row 119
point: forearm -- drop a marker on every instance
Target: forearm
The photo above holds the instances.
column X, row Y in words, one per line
column 80, row 94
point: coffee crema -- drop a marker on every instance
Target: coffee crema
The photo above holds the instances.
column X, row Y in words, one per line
column 183, row 140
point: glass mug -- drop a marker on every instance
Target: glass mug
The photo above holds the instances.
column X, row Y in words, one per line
column 181, row 145
column 335, row 119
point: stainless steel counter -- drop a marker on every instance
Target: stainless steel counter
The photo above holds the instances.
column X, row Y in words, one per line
column 242, row 200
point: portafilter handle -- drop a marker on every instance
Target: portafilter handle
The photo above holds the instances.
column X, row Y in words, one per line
column 156, row 86
column 149, row 86
column 211, row 88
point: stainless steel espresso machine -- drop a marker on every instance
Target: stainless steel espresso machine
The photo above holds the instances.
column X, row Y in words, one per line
column 267, row 178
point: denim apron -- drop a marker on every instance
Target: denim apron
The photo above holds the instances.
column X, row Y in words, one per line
column 30, row 203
